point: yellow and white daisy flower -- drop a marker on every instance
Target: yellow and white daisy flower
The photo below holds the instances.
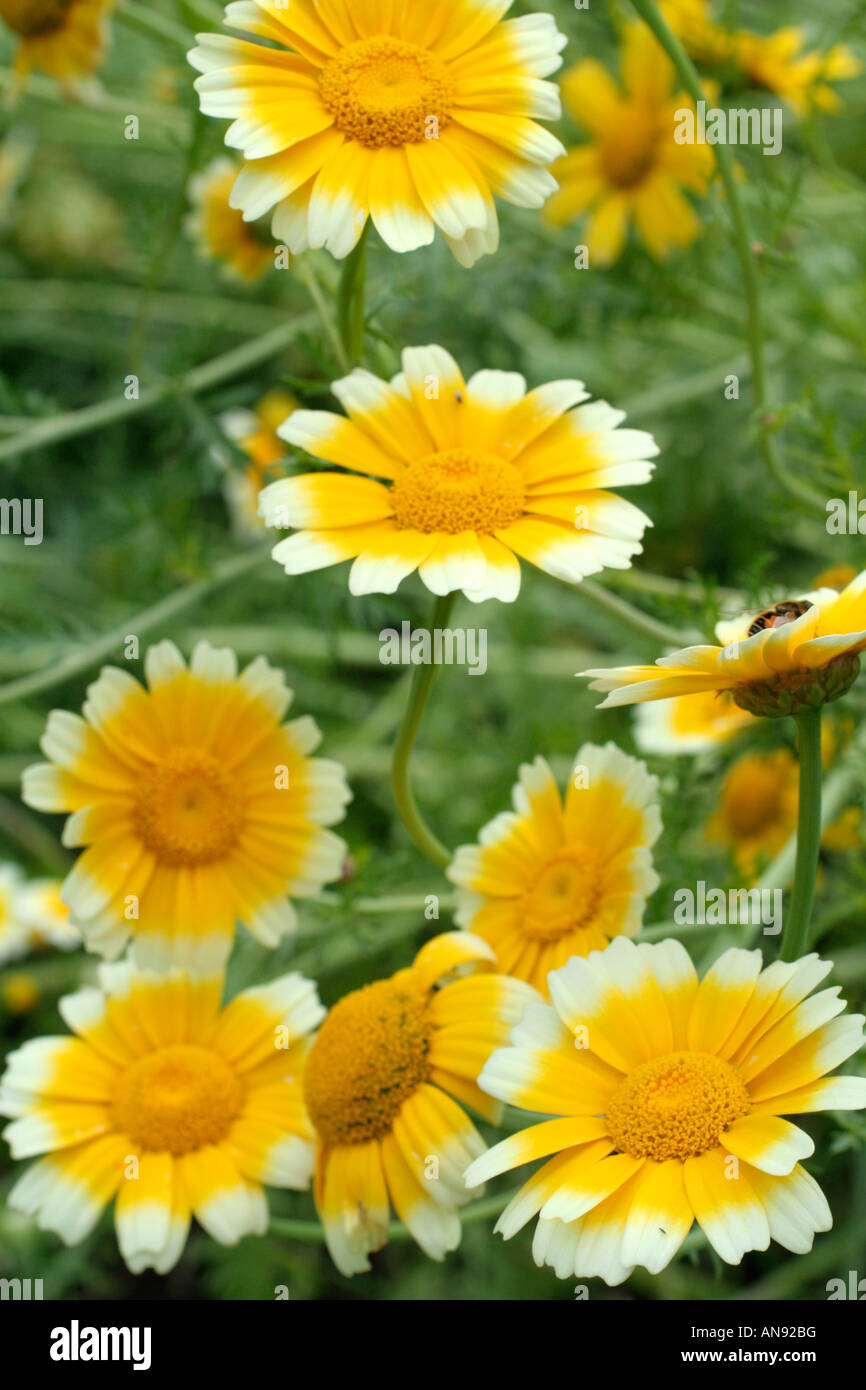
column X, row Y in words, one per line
column 382, row 1085
column 196, row 804
column 461, row 478
column 219, row 230
column 412, row 116
column 801, row 652
column 165, row 1103
column 688, row 723
column 757, row 810
column 255, row 433
column 632, row 170
column 669, row 1095
column 556, row 878
column 64, row 38
column 46, row 916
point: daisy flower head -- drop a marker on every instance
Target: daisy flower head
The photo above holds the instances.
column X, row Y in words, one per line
column 255, row 434
column 689, row 724
column 558, row 877
column 46, row 916
column 219, row 230
column 456, row 479
column 414, row 117
column 13, row 930
column 632, row 170
column 669, row 1094
column 195, row 804
column 757, row 810
column 63, row 38
column 384, row 1085
column 166, row 1103
column 798, row 654
column 778, row 63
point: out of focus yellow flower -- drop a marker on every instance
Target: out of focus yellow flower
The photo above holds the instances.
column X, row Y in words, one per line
column 255, row 434
column 836, row 577
column 219, row 230
column 778, row 63
column 65, row 38
column 20, row 992
column 631, row 170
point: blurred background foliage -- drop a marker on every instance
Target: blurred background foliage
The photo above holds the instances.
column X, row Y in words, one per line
column 100, row 281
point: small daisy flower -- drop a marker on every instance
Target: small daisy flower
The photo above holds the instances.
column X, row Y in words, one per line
column 64, row 38
column 799, row 654
column 46, row 916
column 559, row 877
column 165, row 1103
column 255, row 433
column 632, row 170
column 219, row 231
column 382, row 1085
column 669, row 1094
column 757, row 810
column 688, row 724
column 412, row 118
column 462, row 477
column 196, row 804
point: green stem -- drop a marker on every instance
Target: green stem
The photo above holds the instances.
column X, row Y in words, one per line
column 632, row 617
column 796, row 932
column 422, row 681
column 651, row 14
column 44, row 433
column 138, row 624
column 350, row 299
column 311, row 1232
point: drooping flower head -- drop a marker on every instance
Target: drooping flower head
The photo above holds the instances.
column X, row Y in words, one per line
column 64, row 38
column 413, row 116
column 461, row 478
column 689, row 723
column 632, row 170
column 219, row 230
column 165, row 1103
column 196, row 805
column 382, row 1085
column 669, row 1094
column 797, row 654
column 558, row 877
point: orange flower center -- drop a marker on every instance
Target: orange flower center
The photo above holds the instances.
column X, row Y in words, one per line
column 676, row 1106
column 188, row 810
column 458, row 490
column 383, row 91
column 563, row 897
column 30, row 18
column 753, row 796
column 629, row 151
column 177, row 1099
column 370, row 1055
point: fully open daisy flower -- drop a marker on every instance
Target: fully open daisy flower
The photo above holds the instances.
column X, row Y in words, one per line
column 381, row 1085
column 801, row 652
column 632, row 170
column 669, row 1095
column 689, row 723
column 409, row 115
column 255, row 434
column 472, row 474
column 64, row 38
column 556, row 878
column 219, row 230
column 165, row 1103
column 196, row 804
column 757, row 808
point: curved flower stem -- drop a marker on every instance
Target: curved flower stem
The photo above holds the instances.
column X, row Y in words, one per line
column 651, row 14
column 796, row 932
column 632, row 617
column 350, row 299
column 422, row 681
